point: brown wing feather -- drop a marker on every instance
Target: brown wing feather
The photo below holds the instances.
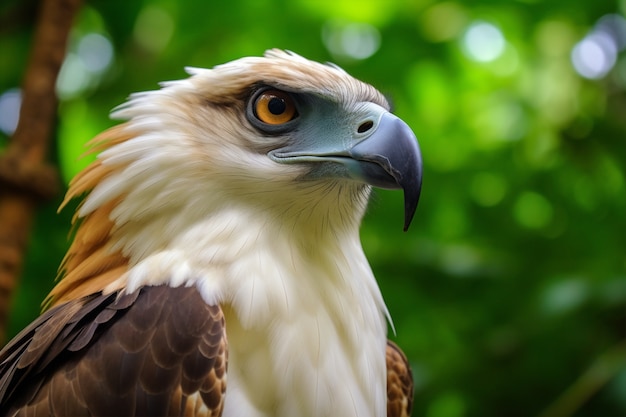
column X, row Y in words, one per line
column 159, row 351
column 399, row 383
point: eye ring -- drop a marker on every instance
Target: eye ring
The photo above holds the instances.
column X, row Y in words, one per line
column 274, row 107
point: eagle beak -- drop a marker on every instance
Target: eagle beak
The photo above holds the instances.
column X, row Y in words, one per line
column 390, row 158
column 373, row 146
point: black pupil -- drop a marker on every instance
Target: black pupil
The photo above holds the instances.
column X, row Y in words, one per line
column 277, row 106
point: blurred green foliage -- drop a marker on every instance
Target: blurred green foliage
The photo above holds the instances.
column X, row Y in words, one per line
column 509, row 291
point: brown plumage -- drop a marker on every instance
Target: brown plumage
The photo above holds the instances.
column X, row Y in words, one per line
column 399, row 383
column 90, row 264
column 158, row 351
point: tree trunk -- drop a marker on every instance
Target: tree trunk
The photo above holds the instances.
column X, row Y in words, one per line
column 25, row 178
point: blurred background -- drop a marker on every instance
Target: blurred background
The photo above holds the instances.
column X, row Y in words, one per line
column 508, row 293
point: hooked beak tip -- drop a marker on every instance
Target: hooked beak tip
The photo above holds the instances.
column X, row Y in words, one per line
column 391, row 158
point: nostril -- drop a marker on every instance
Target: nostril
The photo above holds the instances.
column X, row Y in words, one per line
column 365, row 126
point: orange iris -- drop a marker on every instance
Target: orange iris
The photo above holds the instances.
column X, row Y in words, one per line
column 275, row 107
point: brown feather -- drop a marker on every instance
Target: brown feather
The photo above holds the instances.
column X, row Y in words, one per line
column 90, row 264
column 158, row 375
column 399, row 383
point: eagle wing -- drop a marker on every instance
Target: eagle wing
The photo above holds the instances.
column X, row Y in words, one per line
column 160, row 351
column 399, row 383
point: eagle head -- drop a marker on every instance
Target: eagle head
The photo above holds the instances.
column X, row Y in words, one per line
column 299, row 141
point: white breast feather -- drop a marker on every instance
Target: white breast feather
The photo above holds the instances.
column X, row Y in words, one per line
column 305, row 317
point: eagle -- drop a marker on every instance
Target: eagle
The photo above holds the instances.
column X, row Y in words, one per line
column 215, row 267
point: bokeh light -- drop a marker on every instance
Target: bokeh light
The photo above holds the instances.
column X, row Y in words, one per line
column 95, row 52
column 10, row 102
column 351, row 40
column 533, row 210
column 596, row 54
column 483, row 41
column 84, row 65
column 154, row 28
column 443, row 21
column 488, row 189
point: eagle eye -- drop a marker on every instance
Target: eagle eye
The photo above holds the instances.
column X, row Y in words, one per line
column 274, row 107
